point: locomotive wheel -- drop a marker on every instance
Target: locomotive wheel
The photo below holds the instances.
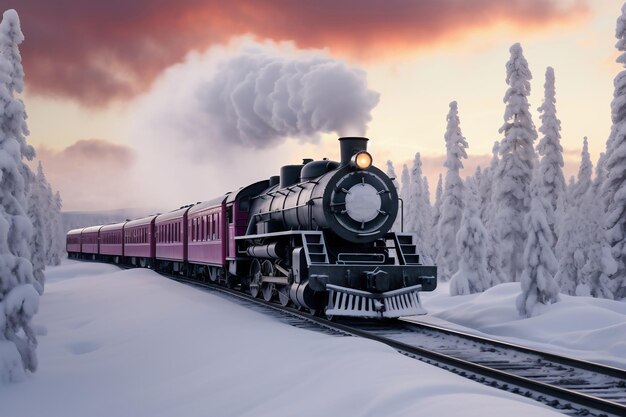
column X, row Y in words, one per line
column 255, row 278
column 213, row 274
column 267, row 288
column 283, row 295
column 231, row 280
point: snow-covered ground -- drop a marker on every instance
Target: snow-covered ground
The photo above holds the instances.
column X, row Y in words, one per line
column 131, row 343
column 582, row 327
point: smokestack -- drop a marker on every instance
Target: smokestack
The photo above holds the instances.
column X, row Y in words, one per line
column 350, row 146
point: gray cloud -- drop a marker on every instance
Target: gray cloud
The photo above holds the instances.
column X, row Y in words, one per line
column 91, row 174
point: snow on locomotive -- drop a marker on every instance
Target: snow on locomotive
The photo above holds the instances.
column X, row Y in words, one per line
column 317, row 236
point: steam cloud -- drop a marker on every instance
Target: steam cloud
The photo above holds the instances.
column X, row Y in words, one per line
column 256, row 97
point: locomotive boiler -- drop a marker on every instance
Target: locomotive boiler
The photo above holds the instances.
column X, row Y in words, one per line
column 318, row 236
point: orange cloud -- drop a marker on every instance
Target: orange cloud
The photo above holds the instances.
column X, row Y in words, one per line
column 96, row 52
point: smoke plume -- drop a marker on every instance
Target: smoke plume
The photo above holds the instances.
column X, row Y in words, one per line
column 257, row 97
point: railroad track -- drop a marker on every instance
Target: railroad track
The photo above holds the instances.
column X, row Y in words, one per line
column 571, row 386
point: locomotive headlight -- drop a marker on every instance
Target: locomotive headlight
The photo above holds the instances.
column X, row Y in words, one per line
column 362, row 160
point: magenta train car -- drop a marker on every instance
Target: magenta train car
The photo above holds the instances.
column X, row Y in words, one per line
column 90, row 240
column 139, row 244
column 171, row 235
column 72, row 243
column 205, row 232
column 111, row 242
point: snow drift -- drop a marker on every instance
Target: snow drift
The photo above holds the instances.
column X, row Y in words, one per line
column 132, row 343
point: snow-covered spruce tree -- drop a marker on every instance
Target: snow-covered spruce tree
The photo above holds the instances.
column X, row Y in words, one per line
column 538, row 285
column 614, row 187
column 452, row 200
column 583, row 182
column 471, row 242
column 391, row 173
column 485, row 188
column 430, row 231
column 436, row 215
column 487, row 216
column 513, row 178
column 570, row 247
column 58, row 246
column 18, row 298
column 405, row 194
column 420, row 211
column 550, row 150
column 54, row 230
column 39, row 215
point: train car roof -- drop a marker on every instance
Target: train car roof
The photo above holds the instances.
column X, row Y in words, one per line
column 174, row 214
column 92, row 229
column 248, row 191
column 75, row 231
column 141, row 222
column 216, row 202
column 115, row 226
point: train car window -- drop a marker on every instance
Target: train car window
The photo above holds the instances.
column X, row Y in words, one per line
column 229, row 214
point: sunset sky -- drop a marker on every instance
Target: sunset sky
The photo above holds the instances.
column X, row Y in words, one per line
column 96, row 69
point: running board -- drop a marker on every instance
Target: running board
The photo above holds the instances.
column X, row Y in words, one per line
column 356, row 303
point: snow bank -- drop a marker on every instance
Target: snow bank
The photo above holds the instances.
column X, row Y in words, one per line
column 131, row 343
column 584, row 327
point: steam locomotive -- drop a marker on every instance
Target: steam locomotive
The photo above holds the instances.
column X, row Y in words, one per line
column 317, row 236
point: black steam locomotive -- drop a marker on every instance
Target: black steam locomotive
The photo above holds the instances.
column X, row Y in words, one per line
column 317, row 236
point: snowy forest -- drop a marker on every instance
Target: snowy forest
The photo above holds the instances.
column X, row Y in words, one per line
column 30, row 221
column 518, row 219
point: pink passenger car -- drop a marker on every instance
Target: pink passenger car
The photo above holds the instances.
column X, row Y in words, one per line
column 139, row 242
column 90, row 240
column 111, row 242
column 171, row 236
column 72, row 243
column 205, row 232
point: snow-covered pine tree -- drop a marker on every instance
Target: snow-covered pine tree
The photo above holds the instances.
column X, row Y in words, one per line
column 430, row 238
column 487, row 216
column 39, row 215
column 58, row 246
column 570, row 248
column 471, row 241
column 420, row 211
column 405, row 194
column 583, row 183
column 391, row 173
column 452, row 202
column 54, row 233
column 550, row 150
column 538, row 285
column 513, row 178
column 599, row 263
column 614, row 187
column 18, row 298
column 485, row 188
column 436, row 216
